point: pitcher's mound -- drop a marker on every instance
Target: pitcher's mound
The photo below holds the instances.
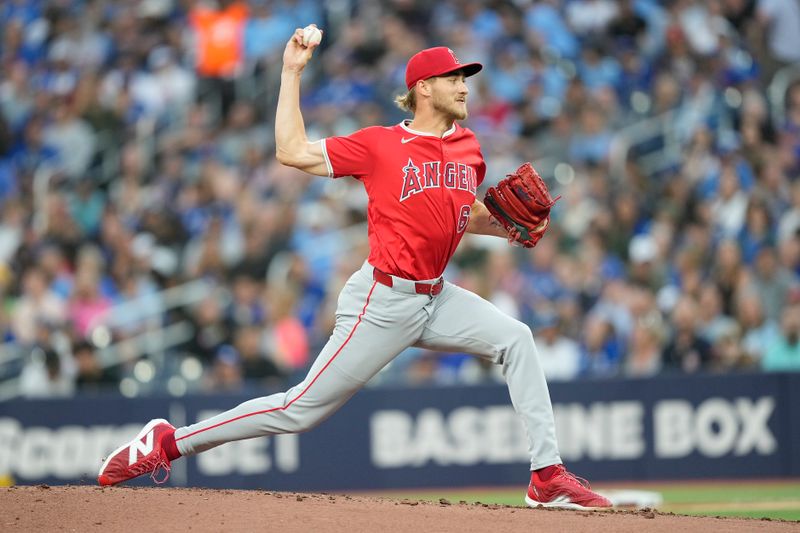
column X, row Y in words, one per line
column 125, row 509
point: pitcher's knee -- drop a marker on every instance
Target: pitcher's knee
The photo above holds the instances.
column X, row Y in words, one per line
column 299, row 419
column 303, row 415
column 517, row 332
column 514, row 339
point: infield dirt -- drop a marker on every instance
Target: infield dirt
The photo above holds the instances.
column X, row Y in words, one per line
column 124, row 509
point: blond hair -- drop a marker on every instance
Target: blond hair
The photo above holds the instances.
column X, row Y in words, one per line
column 408, row 101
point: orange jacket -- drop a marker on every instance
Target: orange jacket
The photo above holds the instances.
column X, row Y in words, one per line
column 220, row 36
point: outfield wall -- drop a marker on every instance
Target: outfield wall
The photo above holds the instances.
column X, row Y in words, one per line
column 656, row 429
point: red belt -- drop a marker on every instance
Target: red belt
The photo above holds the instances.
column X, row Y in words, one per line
column 429, row 289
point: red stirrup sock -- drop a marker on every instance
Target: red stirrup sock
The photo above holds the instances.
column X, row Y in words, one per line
column 170, row 446
column 547, row 472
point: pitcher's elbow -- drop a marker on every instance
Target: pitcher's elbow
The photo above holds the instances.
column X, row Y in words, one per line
column 284, row 157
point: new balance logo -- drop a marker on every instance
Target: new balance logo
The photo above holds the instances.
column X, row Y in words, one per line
column 404, row 140
column 144, row 447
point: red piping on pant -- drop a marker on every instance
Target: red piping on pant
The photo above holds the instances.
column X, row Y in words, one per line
column 283, row 408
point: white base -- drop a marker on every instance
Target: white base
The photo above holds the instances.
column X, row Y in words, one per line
column 634, row 498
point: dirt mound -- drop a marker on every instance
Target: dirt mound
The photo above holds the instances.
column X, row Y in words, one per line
column 124, row 509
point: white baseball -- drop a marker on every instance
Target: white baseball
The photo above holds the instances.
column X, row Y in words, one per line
column 311, row 35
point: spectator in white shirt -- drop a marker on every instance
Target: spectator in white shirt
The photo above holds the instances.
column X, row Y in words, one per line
column 559, row 355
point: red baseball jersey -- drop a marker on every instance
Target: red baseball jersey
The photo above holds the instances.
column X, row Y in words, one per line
column 420, row 188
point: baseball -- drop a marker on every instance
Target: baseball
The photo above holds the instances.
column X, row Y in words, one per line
column 311, row 35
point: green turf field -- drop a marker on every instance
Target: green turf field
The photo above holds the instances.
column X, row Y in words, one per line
column 777, row 500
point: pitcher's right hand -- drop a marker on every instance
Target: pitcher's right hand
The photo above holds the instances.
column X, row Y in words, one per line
column 296, row 55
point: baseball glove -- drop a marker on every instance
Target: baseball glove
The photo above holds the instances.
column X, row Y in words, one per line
column 521, row 203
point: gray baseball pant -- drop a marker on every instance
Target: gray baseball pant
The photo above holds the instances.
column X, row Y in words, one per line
column 374, row 323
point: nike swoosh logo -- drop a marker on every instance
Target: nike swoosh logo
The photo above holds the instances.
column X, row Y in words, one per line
column 404, row 140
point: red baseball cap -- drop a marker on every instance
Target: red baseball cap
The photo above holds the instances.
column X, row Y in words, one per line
column 435, row 62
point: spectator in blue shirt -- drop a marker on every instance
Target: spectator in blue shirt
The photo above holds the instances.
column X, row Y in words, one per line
column 784, row 352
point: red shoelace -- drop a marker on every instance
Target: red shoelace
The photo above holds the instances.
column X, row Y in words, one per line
column 154, row 465
column 563, row 472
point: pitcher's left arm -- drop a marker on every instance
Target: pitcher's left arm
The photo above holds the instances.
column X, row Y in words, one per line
column 481, row 222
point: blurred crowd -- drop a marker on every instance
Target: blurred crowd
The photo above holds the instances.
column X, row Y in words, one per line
column 150, row 242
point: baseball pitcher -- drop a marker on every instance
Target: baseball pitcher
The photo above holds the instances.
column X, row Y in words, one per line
column 421, row 178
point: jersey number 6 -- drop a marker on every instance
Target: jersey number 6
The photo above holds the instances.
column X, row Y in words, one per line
column 463, row 217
